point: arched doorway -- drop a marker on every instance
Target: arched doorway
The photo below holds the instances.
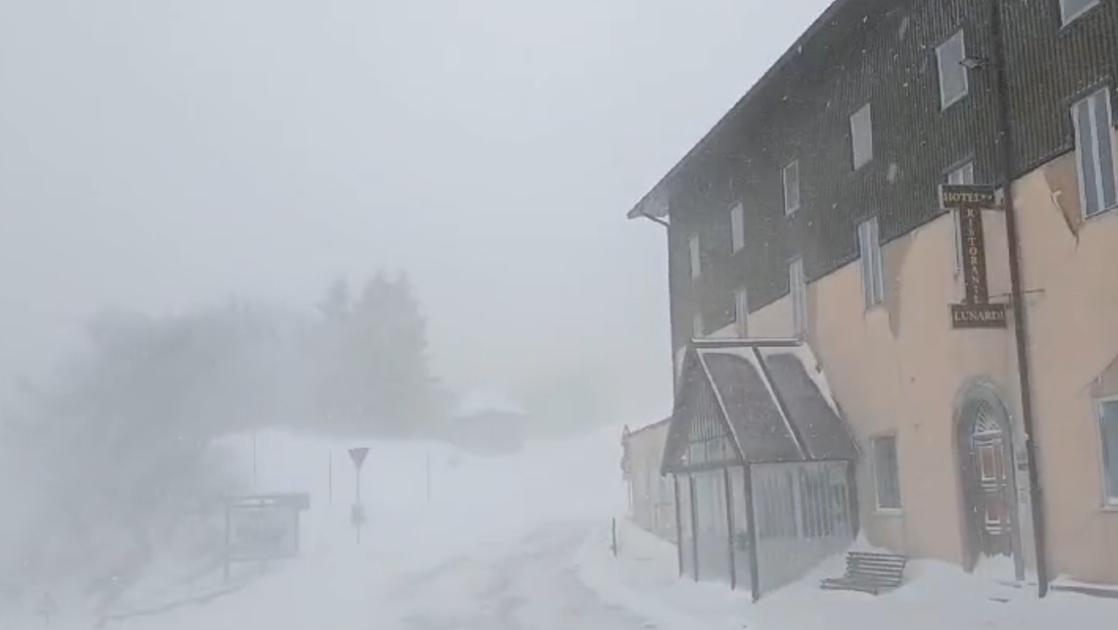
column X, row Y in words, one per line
column 985, row 444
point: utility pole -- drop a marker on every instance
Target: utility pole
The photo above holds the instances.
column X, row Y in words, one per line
column 1016, row 280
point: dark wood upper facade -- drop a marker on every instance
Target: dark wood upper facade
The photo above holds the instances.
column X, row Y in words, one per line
column 881, row 52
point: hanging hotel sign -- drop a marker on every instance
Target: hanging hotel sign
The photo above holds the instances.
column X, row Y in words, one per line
column 957, row 197
column 978, row 315
column 976, row 311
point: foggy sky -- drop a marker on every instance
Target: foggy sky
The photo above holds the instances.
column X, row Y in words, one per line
column 161, row 154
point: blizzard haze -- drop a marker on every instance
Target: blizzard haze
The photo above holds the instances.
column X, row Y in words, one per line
column 328, row 314
column 155, row 156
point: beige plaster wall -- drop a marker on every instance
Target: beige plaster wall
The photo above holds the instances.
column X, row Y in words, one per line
column 898, row 368
column 1069, row 266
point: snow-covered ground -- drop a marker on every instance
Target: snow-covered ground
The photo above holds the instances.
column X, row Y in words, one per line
column 496, row 533
column 521, row 542
column 936, row 595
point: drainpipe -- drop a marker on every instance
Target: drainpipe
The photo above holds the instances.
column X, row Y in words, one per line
column 1020, row 312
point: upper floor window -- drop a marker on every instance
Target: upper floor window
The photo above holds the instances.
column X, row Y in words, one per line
column 696, row 325
column 1095, row 152
column 869, row 247
column 1071, row 9
column 791, row 176
column 797, row 286
column 861, row 136
column 737, row 228
column 886, row 473
column 960, row 176
column 1108, row 427
column 953, row 84
column 741, row 311
column 696, row 256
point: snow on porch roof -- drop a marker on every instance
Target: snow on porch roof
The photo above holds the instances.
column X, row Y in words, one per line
column 774, row 398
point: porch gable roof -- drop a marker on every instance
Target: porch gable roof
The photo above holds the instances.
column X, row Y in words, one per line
column 772, row 397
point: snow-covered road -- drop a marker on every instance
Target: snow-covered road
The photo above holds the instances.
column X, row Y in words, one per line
column 521, row 542
column 527, row 582
column 535, row 585
column 500, row 546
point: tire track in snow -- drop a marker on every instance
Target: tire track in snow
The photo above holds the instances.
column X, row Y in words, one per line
column 535, row 586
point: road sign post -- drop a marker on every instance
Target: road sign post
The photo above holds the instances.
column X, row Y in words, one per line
column 357, row 514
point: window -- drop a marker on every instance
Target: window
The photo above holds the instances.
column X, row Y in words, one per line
column 1095, row 152
column 741, row 311
column 953, row 84
column 696, row 258
column 791, row 174
column 1071, row 9
column 737, row 228
column 962, row 175
column 869, row 248
column 696, row 325
column 1108, row 427
column 798, row 290
column 886, row 480
column 861, row 136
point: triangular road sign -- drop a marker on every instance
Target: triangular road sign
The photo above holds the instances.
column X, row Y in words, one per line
column 358, row 456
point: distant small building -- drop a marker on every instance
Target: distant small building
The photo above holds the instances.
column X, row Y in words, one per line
column 487, row 422
column 651, row 496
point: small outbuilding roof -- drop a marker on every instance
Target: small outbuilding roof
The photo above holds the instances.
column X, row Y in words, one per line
column 481, row 401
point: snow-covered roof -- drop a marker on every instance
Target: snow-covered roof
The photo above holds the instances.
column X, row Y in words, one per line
column 486, row 401
column 774, row 397
column 771, row 346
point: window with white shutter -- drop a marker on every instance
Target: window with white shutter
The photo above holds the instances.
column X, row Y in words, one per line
column 1071, row 9
column 962, row 175
column 1094, row 147
column 869, row 248
column 886, row 473
column 861, row 136
column 1108, row 428
column 741, row 311
column 798, row 290
column 953, row 85
column 791, row 176
column 737, row 228
column 696, row 256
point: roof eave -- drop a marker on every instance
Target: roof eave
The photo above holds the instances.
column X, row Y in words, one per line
column 837, row 5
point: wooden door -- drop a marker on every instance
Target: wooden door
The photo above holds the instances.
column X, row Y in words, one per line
column 994, row 499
